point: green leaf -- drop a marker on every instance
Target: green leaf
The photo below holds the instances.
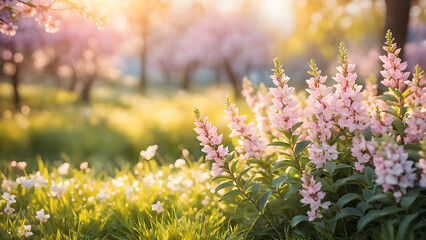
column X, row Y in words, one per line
column 363, row 206
column 330, row 166
column 296, row 126
column 230, row 156
column 374, row 214
column 404, row 225
column 229, row 194
column 244, row 172
column 278, row 181
column 221, row 177
column 369, row 175
column 342, row 165
column 224, row 185
column 301, row 146
column 409, row 198
column 261, row 202
column 284, row 164
column 367, row 133
column 389, row 97
column 254, row 187
column 292, row 180
column 349, row 211
column 234, row 166
column 391, row 112
column 297, row 219
column 382, row 197
column 280, row 144
column 399, row 126
column 347, row 198
column 403, row 110
column 293, row 190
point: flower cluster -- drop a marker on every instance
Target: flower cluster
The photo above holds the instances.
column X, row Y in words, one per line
column 42, row 216
column 394, row 75
column 12, row 12
column 149, row 153
column 362, row 150
column 313, row 195
column 422, row 165
column 349, row 111
column 249, row 143
column 284, row 107
column 393, row 170
column 10, row 199
column 320, row 118
column 211, row 142
column 25, row 231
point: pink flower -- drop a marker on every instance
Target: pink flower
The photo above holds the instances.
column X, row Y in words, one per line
column 393, row 68
column 422, row 165
column 313, row 195
column 211, row 142
column 393, row 170
column 362, row 150
column 249, row 142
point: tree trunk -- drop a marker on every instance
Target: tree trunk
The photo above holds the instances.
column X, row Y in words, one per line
column 15, row 83
column 397, row 17
column 87, row 87
column 186, row 81
column 233, row 79
column 143, row 58
column 74, row 80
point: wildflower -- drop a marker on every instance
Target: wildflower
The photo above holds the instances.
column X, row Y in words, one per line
column 321, row 118
column 9, row 198
column 25, row 231
column 157, row 207
column 84, row 165
column 249, row 143
column 211, row 142
column 102, row 196
column 56, row 190
column 393, row 73
column 179, row 163
column 63, row 169
column 313, row 195
column 284, row 107
column 27, row 183
column 393, row 170
column 149, row 153
column 41, row 216
column 8, row 185
column 13, row 164
column 362, row 150
column 39, row 180
column 347, row 100
column 8, row 209
column 22, row 165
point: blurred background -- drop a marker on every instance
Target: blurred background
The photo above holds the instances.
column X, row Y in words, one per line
column 84, row 94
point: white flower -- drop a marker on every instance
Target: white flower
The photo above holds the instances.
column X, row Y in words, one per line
column 8, row 185
column 39, row 180
column 41, row 216
column 27, row 183
column 22, row 165
column 8, row 210
column 157, row 207
column 63, row 169
column 150, row 152
column 9, row 198
column 102, row 196
column 179, row 163
column 25, row 231
column 84, row 165
column 57, row 189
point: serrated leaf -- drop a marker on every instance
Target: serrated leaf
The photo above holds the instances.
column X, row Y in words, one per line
column 347, row 198
column 374, row 214
column 261, row 202
column 224, row 185
column 298, row 219
column 296, row 126
column 279, row 144
column 229, row 194
column 301, row 146
column 284, row 164
column 330, row 166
